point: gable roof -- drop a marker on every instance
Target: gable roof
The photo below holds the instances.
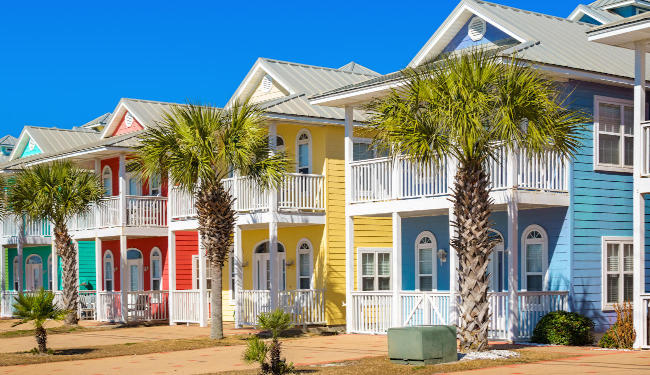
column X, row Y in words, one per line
column 8, row 140
column 608, row 4
column 146, row 112
column 98, row 121
column 50, row 140
column 598, row 14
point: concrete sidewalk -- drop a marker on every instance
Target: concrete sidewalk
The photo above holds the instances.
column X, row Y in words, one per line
column 313, row 350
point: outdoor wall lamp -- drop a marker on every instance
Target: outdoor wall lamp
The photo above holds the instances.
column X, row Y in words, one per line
column 146, row 268
column 290, row 263
column 244, row 264
column 442, row 255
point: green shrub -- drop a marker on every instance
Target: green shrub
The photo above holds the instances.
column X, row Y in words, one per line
column 621, row 334
column 563, row 328
column 608, row 340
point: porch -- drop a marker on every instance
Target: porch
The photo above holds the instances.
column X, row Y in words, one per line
column 86, row 309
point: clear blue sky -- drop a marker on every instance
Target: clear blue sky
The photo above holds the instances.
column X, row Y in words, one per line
column 64, row 63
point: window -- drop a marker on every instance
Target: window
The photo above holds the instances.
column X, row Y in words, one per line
column 195, row 273
column 498, row 273
column 425, row 262
column 107, row 181
column 304, row 274
column 156, row 269
column 303, row 149
column 362, row 149
column 155, row 186
column 233, row 279
column 279, row 143
column 49, row 272
column 535, row 258
column 134, row 185
column 108, row 271
column 16, row 267
column 262, row 266
column 374, row 269
column 614, row 138
column 617, row 274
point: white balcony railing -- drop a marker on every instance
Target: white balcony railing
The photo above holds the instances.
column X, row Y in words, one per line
column 645, row 322
column 141, row 306
column 297, row 192
column 385, row 179
column 141, row 211
column 38, row 228
column 304, row 306
column 185, row 306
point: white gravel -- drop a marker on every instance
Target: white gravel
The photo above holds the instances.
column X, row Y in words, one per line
column 489, row 354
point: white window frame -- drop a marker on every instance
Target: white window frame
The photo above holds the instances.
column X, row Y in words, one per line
column 151, row 188
column 112, row 262
column 310, row 253
column 494, row 265
column 138, row 181
column 49, row 272
column 610, row 167
column 434, row 263
column 16, row 270
column 367, row 141
column 621, row 240
column 544, row 242
column 195, row 273
column 375, row 251
column 33, row 256
column 108, row 169
column 231, row 272
column 282, row 262
column 151, row 259
column 283, row 147
column 309, row 147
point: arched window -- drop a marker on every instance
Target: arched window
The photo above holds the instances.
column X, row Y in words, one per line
column 155, row 186
column 498, row 276
column 49, row 272
column 33, row 272
column 107, row 181
column 134, row 184
column 279, row 143
column 305, row 264
column 303, row 151
column 425, row 262
column 262, row 266
column 108, row 271
column 16, row 267
column 535, row 258
column 156, row 269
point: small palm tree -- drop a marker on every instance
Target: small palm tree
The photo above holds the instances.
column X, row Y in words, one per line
column 57, row 192
column 37, row 308
column 257, row 350
column 198, row 147
column 468, row 107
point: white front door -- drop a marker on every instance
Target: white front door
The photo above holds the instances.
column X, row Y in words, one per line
column 34, row 273
column 262, row 271
column 134, row 275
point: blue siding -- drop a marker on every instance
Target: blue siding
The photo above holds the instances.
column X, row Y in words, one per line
column 27, row 152
column 601, row 204
column 492, row 36
column 626, row 11
column 586, row 19
column 411, row 228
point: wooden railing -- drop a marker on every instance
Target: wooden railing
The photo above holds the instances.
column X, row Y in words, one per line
column 372, row 180
column 8, row 298
column 87, row 304
column 424, row 308
column 548, row 172
column 420, row 180
column 145, row 306
column 534, row 305
column 109, row 307
column 371, row 312
column 645, row 126
column 146, row 211
column 302, row 192
column 304, row 306
column 185, row 306
column 38, row 228
column 141, row 211
column 645, row 322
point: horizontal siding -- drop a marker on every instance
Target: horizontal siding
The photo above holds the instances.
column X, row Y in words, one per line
column 87, row 278
column 187, row 244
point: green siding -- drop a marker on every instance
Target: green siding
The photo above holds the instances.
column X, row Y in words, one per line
column 87, row 265
column 42, row 251
column 27, row 152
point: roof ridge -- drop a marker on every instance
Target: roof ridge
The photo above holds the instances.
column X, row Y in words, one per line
column 539, row 14
column 74, row 130
column 315, row 66
column 151, row 101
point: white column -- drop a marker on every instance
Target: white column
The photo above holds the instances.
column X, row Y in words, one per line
column 638, row 201
column 452, row 167
column 122, row 187
column 349, row 221
column 123, row 279
column 3, row 273
column 19, row 248
column 273, row 229
column 55, row 266
column 513, row 268
column 239, row 274
column 99, row 272
column 171, row 257
column 396, row 269
column 203, row 296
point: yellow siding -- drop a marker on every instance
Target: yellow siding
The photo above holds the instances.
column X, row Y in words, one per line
column 259, row 95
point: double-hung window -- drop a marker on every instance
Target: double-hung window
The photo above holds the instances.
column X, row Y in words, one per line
column 195, row 273
column 617, row 275
column 374, row 269
column 362, row 149
column 614, row 135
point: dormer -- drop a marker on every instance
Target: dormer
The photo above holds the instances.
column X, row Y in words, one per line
column 606, row 11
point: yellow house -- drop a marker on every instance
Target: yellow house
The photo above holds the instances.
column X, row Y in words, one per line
column 289, row 245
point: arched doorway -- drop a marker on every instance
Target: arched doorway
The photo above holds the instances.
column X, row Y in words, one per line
column 262, row 266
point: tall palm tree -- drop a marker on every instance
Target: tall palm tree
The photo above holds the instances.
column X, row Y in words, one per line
column 198, row 147
column 57, row 192
column 468, row 107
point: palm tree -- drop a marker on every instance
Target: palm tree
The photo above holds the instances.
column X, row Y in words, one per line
column 468, row 107
column 38, row 308
column 57, row 192
column 198, row 147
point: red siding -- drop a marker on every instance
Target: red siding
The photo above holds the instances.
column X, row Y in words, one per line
column 123, row 129
column 114, row 164
column 145, row 245
column 187, row 244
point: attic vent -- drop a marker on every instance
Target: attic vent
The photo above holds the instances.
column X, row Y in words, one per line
column 31, row 144
column 128, row 120
column 267, row 82
column 476, row 29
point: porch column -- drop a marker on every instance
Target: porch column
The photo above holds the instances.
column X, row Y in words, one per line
column 203, row 297
column 171, row 261
column 638, row 200
column 513, row 268
column 55, row 266
column 122, row 189
column 274, row 268
column 396, row 269
column 349, row 222
column 453, row 256
column 124, row 297
column 239, row 275
column 3, row 269
column 19, row 248
column 99, row 273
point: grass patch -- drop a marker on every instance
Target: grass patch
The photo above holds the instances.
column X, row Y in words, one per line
column 118, row 350
column 50, row 331
column 381, row 365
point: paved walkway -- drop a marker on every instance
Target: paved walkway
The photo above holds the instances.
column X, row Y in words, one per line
column 312, row 350
column 111, row 336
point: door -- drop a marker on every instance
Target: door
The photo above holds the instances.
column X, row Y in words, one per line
column 34, row 273
column 134, row 279
column 497, row 267
column 262, row 269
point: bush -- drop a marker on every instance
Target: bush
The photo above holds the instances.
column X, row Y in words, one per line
column 621, row 334
column 563, row 328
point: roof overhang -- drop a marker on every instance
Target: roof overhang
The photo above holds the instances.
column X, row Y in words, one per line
column 254, row 76
column 23, row 139
column 583, row 10
column 118, row 113
column 639, row 3
column 626, row 33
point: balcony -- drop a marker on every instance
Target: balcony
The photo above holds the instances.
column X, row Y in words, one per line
column 34, row 232
column 400, row 179
column 298, row 193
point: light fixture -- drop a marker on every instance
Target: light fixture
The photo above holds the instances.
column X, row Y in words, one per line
column 244, row 264
column 442, row 255
column 289, row 262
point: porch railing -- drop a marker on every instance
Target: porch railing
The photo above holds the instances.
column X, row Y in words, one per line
column 145, row 306
column 146, row 211
column 304, row 306
column 8, row 298
column 38, row 228
column 109, row 307
column 141, row 211
column 371, row 312
column 186, row 306
column 645, row 309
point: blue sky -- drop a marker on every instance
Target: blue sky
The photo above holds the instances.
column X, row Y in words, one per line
column 64, row 63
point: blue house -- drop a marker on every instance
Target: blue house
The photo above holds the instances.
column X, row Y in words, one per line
column 566, row 226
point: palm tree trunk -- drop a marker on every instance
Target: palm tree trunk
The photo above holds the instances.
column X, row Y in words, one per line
column 473, row 244
column 41, row 338
column 216, row 217
column 66, row 249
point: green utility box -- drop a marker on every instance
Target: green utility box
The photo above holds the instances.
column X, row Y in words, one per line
column 422, row 345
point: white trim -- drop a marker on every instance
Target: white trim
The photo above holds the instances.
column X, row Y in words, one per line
column 107, row 193
column 112, row 261
column 155, row 249
column 120, row 111
column 621, row 240
column 310, row 253
column 21, row 144
column 630, row 2
column 282, row 255
column 493, row 267
column 140, row 264
column 304, row 131
column 597, row 166
column 375, row 251
column 29, row 280
column 581, row 10
column 544, row 243
column 15, row 264
column 434, row 259
column 259, row 64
